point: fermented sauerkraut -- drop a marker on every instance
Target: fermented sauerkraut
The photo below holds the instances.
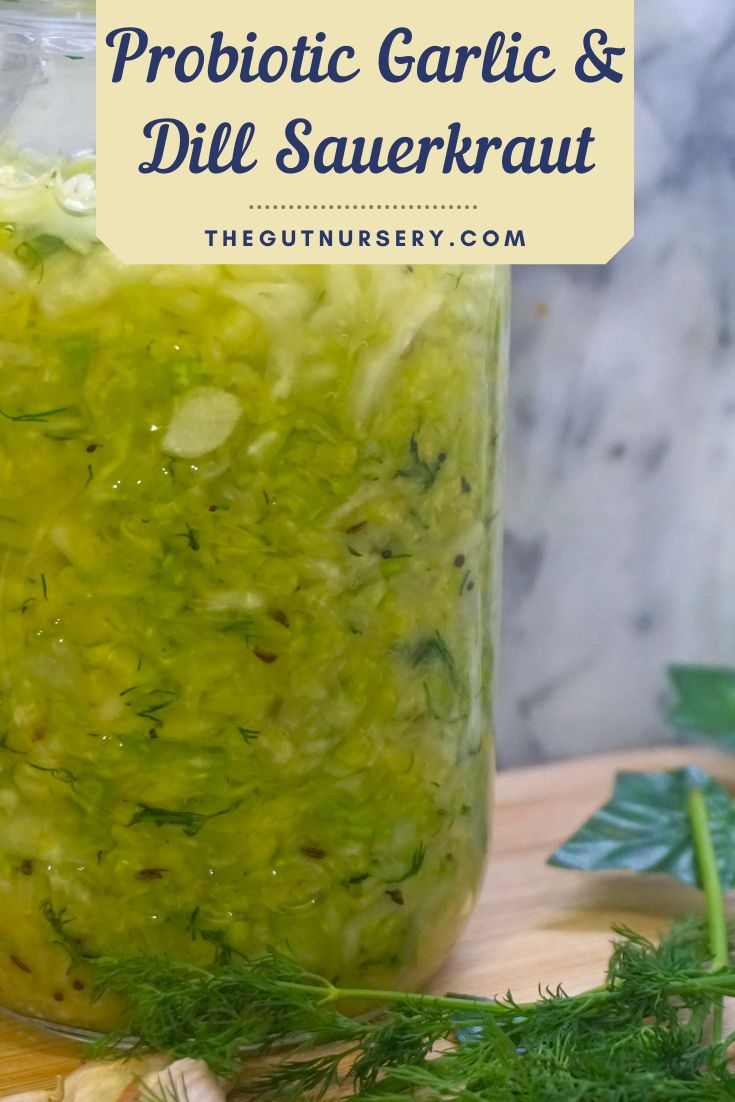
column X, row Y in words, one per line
column 247, row 531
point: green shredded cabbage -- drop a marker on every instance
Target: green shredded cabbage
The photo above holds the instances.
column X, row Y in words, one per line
column 246, row 548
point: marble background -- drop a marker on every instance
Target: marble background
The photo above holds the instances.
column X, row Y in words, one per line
column 620, row 491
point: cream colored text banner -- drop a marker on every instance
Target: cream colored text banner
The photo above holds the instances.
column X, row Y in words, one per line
column 379, row 133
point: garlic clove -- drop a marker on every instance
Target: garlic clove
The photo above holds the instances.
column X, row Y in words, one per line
column 201, row 422
column 107, row 1081
column 149, row 1079
column 184, row 1079
column 142, row 1067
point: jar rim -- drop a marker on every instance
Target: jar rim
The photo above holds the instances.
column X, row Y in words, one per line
column 79, row 14
column 49, row 26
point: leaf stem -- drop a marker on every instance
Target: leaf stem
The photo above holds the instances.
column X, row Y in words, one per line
column 713, row 894
column 719, row 984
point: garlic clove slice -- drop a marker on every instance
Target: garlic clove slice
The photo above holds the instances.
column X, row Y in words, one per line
column 201, row 422
column 185, row 1079
column 108, row 1081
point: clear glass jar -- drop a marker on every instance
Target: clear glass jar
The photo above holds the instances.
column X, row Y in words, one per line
column 248, row 540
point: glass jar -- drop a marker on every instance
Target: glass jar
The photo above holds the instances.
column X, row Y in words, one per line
column 248, row 539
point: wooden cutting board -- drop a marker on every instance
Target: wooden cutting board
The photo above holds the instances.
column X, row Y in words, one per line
column 534, row 924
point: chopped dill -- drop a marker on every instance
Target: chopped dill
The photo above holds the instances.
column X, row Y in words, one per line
column 417, row 860
column 56, row 919
column 249, row 734
column 44, row 587
column 64, row 775
column 420, row 468
column 39, row 417
column 191, row 536
column 434, row 648
column 224, row 952
column 191, row 822
column 150, row 712
column 58, row 922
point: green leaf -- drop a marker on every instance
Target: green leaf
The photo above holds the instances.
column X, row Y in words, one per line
column 646, row 827
column 467, row 1030
column 706, row 700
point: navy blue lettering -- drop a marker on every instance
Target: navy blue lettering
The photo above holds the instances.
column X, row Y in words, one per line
column 295, row 145
column 219, row 51
column 385, row 59
column 161, row 128
column 215, row 158
column 124, row 51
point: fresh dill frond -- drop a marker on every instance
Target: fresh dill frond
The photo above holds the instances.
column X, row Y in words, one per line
column 651, row 1032
column 212, row 1014
column 639, row 1037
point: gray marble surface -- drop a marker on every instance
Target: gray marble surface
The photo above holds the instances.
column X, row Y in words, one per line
column 620, row 491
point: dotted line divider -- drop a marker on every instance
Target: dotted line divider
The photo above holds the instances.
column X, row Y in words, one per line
column 361, row 206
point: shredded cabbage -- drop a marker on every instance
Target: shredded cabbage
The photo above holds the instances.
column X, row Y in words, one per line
column 246, row 555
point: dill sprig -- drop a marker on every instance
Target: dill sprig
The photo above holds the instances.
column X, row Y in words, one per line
column 638, row 1029
column 651, row 1032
